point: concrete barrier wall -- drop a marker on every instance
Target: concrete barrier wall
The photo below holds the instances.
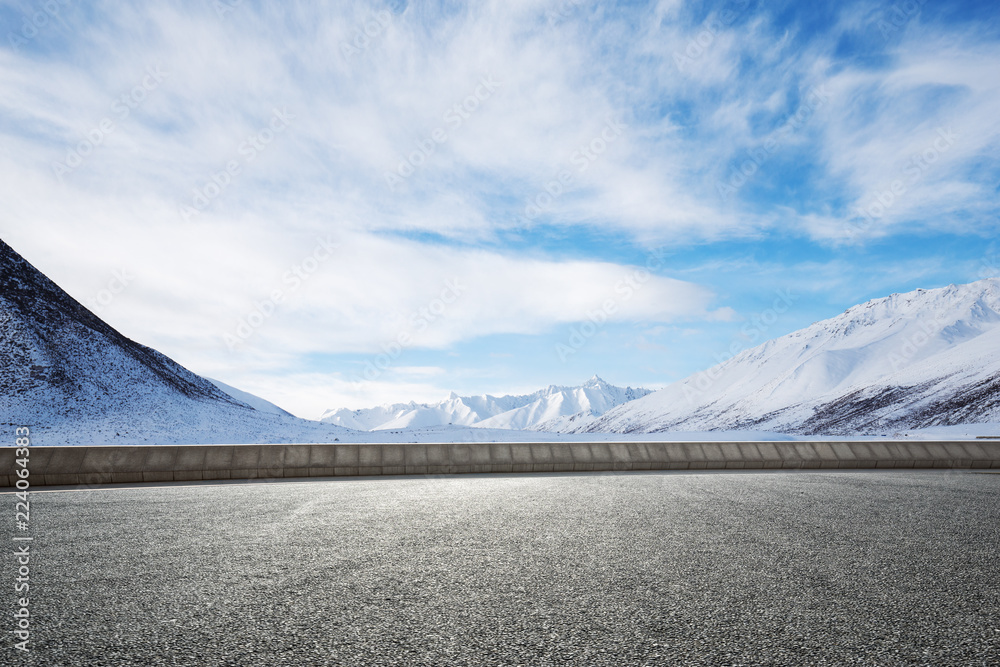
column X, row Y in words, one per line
column 108, row 465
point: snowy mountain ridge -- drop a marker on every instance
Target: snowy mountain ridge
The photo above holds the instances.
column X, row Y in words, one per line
column 73, row 379
column 525, row 412
column 921, row 359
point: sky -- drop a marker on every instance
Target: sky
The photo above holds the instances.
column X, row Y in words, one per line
column 346, row 204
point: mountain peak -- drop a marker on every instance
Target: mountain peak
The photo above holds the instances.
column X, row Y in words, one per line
column 922, row 358
column 530, row 411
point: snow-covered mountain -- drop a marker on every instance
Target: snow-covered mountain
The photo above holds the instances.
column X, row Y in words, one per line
column 915, row 360
column 73, row 379
column 551, row 407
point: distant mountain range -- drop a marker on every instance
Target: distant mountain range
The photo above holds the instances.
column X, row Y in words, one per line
column 546, row 409
column 907, row 361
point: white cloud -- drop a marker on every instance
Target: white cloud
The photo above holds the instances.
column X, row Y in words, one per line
column 371, row 289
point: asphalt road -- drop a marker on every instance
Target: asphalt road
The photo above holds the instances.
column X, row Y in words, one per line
column 577, row 569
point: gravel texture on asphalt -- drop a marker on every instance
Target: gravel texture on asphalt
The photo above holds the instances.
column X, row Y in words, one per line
column 860, row 568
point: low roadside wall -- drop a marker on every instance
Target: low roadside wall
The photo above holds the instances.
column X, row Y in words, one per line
column 108, row 465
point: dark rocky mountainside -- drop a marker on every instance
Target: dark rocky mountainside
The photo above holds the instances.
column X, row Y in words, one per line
column 73, row 379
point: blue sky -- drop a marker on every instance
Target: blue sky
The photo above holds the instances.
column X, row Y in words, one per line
column 344, row 204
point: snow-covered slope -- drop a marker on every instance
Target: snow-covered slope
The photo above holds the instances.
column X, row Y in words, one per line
column 73, row 379
column 916, row 360
column 254, row 401
column 551, row 405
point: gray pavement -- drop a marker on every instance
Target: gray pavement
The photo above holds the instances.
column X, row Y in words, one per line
column 896, row 568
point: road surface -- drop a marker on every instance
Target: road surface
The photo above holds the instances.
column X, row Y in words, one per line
column 780, row 568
